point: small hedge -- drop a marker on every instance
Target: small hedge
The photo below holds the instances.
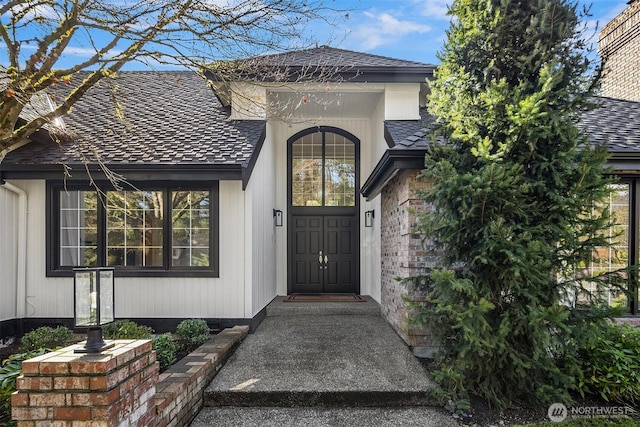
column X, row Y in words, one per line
column 46, row 337
column 193, row 333
column 166, row 350
column 126, row 330
column 611, row 364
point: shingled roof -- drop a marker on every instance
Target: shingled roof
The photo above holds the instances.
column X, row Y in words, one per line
column 334, row 57
column 614, row 123
column 170, row 122
column 330, row 64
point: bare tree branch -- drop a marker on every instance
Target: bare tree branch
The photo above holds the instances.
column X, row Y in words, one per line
column 37, row 34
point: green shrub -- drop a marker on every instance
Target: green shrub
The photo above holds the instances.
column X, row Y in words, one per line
column 166, row 350
column 10, row 370
column 193, row 332
column 611, row 364
column 126, row 330
column 46, row 337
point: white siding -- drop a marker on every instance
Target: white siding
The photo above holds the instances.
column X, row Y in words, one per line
column 402, row 101
column 370, row 261
column 153, row 297
column 261, row 193
column 8, row 253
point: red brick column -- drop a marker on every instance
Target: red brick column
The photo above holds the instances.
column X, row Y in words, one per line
column 403, row 256
column 112, row 388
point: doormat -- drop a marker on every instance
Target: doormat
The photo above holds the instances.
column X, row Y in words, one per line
column 325, row 298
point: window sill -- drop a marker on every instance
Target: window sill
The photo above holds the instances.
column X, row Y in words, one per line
column 144, row 273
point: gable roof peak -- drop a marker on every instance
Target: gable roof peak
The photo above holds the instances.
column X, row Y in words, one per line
column 325, row 55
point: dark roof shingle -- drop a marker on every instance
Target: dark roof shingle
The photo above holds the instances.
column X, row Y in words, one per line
column 614, row 122
column 339, row 58
column 170, row 118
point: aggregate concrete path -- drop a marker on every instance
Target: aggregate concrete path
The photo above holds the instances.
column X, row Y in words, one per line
column 323, row 364
column 323, row 417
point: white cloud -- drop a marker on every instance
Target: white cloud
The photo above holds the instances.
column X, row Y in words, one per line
column 383, row 28
column 436, row 9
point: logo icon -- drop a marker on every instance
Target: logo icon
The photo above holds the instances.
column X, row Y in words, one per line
column 557, row 412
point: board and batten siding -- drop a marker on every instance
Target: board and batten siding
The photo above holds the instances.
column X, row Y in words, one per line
column 8, row 254
column 146, row 297
column 261, row 231
column 370, row 237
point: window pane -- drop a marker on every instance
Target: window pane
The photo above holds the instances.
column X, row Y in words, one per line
column 134, row 228
column 306, row 171
column 339, row 171
column 190, row 228
column 78, row 228
column 617, row 256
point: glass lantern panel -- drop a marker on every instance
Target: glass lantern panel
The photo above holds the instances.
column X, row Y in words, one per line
column 106, row 297
column 86, row 309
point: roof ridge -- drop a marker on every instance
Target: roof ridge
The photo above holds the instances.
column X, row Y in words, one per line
column 324, row 46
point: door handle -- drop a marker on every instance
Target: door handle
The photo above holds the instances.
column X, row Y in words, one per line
column 320, row 259
column 326, row 262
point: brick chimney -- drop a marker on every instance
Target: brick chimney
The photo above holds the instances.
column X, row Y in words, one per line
column 619, row 46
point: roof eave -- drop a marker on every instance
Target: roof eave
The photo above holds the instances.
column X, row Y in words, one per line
column 624, row 162
column 391, row 162
column 344, row 74
column 131, row 172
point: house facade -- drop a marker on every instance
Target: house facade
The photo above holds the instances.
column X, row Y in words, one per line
column 210, row 198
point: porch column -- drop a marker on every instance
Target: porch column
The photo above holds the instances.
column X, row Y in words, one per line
column 403, row 256
column 113, row 388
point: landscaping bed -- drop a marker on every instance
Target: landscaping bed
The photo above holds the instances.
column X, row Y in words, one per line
column 170, row 349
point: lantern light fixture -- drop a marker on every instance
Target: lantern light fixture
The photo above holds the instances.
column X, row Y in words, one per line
column 368, row 218
column 277, row 217
column 93, row 305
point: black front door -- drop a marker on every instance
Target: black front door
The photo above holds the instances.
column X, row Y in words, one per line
column 324, row 254
column 323, row 212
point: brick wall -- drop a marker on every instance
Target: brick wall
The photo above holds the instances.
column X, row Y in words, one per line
column 63, row 388
column 180, row 392
column 403, row 255
column 619, row 44
column 119, row 387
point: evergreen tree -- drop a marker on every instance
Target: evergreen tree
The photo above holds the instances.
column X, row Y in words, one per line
column 513, row 194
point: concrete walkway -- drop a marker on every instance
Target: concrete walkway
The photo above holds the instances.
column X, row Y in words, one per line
column 322, row 364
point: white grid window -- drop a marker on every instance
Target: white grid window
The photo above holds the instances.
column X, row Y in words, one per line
column 190, row 228
column 134, row 228
column 78, row 228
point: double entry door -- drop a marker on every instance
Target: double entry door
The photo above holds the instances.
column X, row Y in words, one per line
column 323, row 203
column 324, row 256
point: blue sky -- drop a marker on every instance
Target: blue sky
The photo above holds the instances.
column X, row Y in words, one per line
column 415, row 29
column 404, row 29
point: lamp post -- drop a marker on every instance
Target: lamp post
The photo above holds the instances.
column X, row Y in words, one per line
column 93, row 305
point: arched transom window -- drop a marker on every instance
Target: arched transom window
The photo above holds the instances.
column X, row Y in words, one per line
column 323, row 170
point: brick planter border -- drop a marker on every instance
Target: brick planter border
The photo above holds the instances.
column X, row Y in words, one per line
column 119, row 387
column 180, row 391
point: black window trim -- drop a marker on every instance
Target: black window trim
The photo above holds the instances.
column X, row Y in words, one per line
column 53, row 268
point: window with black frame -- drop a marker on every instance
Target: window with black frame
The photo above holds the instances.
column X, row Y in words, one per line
column 153, row 230
column 624, row 245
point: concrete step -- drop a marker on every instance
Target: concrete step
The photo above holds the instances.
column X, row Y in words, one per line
column 341, row 360
column 278, row 307
column 335, row 399
column 322, row 417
